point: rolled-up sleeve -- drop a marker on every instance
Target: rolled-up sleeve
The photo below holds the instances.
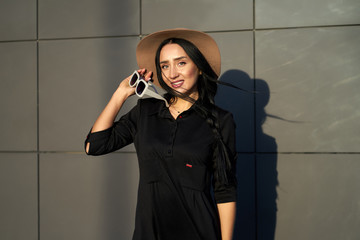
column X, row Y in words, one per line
column 118, row 136
column 227, row 192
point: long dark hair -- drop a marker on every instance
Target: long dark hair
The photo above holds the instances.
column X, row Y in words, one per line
column 223, row 161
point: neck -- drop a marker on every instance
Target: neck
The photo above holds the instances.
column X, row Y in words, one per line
column 178, row 102
column 179, row 105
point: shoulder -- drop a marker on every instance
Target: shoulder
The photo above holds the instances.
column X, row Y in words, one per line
column 225, row 120
column 224, row 115
column 150, row 105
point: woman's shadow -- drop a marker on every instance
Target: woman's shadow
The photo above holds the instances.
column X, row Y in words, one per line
column 256, row 171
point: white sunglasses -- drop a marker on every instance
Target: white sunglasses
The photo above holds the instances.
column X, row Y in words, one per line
column 142, row 87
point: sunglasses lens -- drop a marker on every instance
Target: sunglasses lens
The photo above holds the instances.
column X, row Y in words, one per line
column 140, row 88
column 133, row 79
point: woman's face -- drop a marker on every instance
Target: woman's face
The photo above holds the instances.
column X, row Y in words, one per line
column 178, row 70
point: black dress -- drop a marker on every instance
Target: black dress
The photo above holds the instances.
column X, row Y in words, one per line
column 176, row 170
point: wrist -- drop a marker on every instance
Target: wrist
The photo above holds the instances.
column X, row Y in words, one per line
column 119, row 97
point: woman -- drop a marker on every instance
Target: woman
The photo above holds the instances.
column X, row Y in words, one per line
column 184, row 150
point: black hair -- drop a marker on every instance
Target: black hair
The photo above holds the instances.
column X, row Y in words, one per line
column 223, row 159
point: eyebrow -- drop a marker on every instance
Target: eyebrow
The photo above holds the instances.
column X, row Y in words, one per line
column 175, row 59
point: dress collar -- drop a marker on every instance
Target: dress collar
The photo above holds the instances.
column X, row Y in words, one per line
column 163, row 111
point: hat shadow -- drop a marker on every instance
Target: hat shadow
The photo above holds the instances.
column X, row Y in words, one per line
column 257, row 155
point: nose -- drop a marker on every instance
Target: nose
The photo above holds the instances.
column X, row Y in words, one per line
column 173, row 73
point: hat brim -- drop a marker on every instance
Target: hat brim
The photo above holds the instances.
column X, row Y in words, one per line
column 147, row 47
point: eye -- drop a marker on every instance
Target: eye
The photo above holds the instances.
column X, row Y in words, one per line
column 164, row 67
column 182, row 63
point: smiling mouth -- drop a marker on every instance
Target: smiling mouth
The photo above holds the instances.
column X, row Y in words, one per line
column 177, row 84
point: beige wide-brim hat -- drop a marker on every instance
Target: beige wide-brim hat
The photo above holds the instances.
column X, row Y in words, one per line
column 147, row 47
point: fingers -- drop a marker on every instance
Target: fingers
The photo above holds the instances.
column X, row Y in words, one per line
column 141, row 71
column 148, row 76
column 145, row 74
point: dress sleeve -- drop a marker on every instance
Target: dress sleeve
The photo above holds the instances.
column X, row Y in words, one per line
column 118, row 136
column 227, row 192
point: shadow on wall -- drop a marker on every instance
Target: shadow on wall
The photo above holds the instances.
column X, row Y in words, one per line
column 257, row 172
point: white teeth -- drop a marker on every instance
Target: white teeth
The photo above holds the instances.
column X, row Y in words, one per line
column 177, row 84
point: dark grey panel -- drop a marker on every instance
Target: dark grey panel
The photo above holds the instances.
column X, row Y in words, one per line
column 18, row 186
column 18, row 19
column 208, row 15
column 285, row 13
column 18, row 96
column 77, row 79
column 237, row 67
column 67, row 18
column 317, row 196
column 236, row 50
column 313, row 77
column 266, row 196
column 245, row 224
column 86, row 197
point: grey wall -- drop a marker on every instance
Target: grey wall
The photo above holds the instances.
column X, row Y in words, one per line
column 298, row 137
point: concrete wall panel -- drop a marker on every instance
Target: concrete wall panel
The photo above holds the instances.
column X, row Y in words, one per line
column 203, row 15
column 317, row 196
column 313, row 76
column 19, row 196
column 18, row 96
column 77, row 79
column 68, row 19
column 18, row 20
column 85, row 197
column 292, row 13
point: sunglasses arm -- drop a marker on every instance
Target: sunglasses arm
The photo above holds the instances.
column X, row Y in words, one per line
column 155, row 95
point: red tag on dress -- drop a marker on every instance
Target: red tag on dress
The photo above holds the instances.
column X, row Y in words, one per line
column 189, row 165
